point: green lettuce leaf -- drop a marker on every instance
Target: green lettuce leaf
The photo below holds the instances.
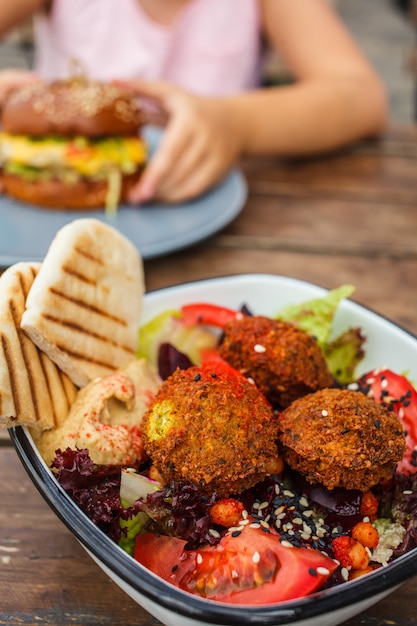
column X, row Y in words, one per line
column 344, row 353
column 316, row 316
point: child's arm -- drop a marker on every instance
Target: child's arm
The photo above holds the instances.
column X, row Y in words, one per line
column 335, row 85
column 336, row 99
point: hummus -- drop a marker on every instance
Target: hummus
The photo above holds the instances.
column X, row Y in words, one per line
column 106, row 418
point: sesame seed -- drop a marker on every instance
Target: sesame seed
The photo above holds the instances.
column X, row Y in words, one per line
column 255, row 525
column 323, row 571
column 256, row 557
column 199, row 558
column 286, row 544
column 345, row 573
column 324, row 413
column 214, row 533
column 262, row 506
column 407, row 492
column 259, row 348
column 353, row 386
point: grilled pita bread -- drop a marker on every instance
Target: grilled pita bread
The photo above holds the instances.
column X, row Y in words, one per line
column 84, row 307
column 33, row 392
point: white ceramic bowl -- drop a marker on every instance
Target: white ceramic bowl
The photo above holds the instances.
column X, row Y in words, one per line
column 387, row 345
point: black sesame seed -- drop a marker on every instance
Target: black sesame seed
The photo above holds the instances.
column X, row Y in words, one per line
column 377, row 424
column 197, row 377
column 312, row 571
column 236, row 533
column 344, row 431
column 174, row 569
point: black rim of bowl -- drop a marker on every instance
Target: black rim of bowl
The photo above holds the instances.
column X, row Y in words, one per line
column 165, row 595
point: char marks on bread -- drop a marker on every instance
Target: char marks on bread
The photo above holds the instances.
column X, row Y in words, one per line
column 83, row 310
column 33, row 391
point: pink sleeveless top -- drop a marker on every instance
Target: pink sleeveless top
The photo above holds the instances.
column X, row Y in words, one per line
column 213, row 47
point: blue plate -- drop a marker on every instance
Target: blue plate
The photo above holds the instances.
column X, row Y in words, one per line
column 26, row 231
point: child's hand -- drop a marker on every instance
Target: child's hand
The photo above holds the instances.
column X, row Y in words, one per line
column 199, row 146
column 10, row 79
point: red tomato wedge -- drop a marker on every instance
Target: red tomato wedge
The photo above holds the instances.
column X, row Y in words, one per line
column 211, row 314
column 398, row 394
column 253, row 567
column 212, row 358
column 158, row 553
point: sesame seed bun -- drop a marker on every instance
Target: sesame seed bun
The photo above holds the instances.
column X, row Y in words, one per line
column 73, row 107
column 71, row 144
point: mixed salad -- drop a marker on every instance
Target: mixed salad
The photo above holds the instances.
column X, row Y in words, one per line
column 281, row 538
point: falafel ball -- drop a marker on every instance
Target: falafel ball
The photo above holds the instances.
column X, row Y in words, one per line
column 284, row 361
column 341, row 438
column 209, row 425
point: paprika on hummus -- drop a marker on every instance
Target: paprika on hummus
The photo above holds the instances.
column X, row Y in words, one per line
column 106, row 418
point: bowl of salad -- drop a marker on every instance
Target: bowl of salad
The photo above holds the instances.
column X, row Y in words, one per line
column 287, row 548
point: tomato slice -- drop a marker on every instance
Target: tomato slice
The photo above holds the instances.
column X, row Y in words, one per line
column 250, row 567
column 398, row 394
column 159, row 553
column 211, row 314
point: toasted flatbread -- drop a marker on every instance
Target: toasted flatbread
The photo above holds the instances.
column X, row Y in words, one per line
column 33, row 392
column 84, row 307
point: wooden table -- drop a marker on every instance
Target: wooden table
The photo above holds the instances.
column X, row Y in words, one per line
column 347, row 218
